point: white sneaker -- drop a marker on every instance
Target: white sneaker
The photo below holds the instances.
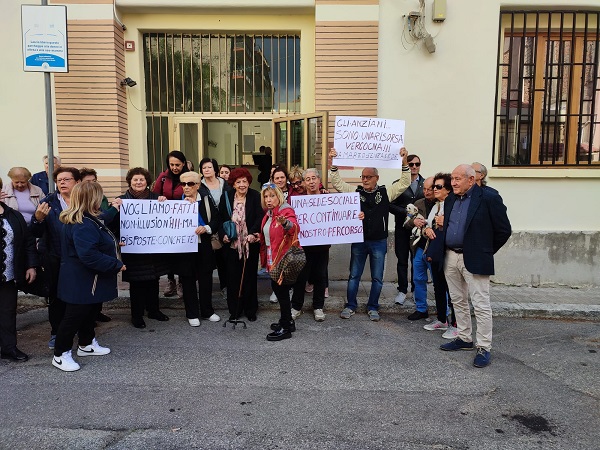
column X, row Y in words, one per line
column 451, row 333
column 436, row 325
column 65, row 362
column 319, row 315
column 296, row 313
column 327, row 292
column 213, row 318
column 273, row 298
column 400, row 298
column 194, row 322
column 94, row 349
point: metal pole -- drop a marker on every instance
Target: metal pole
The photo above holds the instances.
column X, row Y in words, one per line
column 49, row 128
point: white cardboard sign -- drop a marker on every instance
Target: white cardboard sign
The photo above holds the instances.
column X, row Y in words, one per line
column 368, row 142
column 150, row 226
column 328, row 218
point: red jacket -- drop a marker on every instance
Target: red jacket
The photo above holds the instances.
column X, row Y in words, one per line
column 164, row 186
column 277, row 233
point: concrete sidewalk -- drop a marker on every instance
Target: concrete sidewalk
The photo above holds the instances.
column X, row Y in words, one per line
column 507, row 301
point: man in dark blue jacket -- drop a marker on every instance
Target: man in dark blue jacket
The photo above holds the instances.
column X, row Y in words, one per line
column 477, row 226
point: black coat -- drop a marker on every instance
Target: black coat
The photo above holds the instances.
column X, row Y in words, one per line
column 203, row 260
column 254, row 210
column 25, row 254
column 141, row 267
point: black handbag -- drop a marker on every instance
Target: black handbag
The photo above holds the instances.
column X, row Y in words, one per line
column 435, row 249
column 229, row 227
column 40, row 285
column 285, row 270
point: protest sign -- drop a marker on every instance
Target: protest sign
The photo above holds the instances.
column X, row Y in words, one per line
column 150, row 226
column 368, row 142
column 328, row 218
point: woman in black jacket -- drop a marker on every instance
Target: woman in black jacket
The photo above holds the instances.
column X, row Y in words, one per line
column 18, row 259
column 143, row 270
column 242, row 207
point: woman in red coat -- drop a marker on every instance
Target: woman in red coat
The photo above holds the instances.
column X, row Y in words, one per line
column 278, row 227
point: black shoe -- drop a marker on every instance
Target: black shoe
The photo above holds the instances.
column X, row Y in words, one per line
column 277, row 325
column 252, row 318
column 158, row 315
column 279, row 335
column 103, row 318
column 14, row 354
column 138, row 322
column 418, row 315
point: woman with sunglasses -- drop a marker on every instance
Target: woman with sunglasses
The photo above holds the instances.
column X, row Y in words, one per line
column 198, row 266
column 296, row 181
column 143, row 270
column 435, row 222
column 242, row 207
column 213, row 187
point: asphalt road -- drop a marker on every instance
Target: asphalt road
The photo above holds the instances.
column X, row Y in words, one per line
column 340, row 384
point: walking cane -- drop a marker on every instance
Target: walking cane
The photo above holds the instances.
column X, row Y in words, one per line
column 237, row 309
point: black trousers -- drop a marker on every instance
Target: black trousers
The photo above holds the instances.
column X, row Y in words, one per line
column 247, row 302
column 442, row 294
column 56, row 307
column 8, row 316
column 144, row 296
column 220, row 259
column 78, row 319
column 402, row 250
column 197, row 295
column 283, row 296
column 315, row 270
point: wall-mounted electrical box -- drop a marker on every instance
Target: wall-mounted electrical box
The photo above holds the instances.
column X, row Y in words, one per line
column 439, row 10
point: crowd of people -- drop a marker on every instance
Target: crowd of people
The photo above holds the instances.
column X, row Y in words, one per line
column 71, row 239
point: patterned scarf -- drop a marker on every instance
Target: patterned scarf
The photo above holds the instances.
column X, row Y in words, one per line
column 138, row 195
column 238, row 216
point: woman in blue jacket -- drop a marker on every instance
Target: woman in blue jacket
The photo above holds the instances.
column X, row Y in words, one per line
column 88, row 274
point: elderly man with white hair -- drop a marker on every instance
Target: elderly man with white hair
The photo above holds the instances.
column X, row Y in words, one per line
column 40, row 179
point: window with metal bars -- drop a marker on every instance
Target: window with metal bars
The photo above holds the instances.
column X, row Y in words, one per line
column 222, row 73
column 548, row 89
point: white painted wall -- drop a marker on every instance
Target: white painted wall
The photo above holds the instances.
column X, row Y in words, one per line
column 447, row 100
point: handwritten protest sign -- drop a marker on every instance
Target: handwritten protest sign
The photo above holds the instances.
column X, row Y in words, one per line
column 368, row 142
column 328, row 218
column 150, row 226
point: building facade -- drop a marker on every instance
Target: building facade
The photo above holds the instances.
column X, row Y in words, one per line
column 512, row 84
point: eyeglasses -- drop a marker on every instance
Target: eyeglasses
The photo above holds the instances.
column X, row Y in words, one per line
column 269, row 185
column 188, row 183
column 296, row 183
column 439, row 187
column 414, row 164
column 367, row 177
column 64, row 180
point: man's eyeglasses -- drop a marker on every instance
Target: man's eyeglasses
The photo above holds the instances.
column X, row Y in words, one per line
column 417, row 164
column 269, row 185
column 367, row 177
column 188, row 183
column 64, row 180
column 439, row 187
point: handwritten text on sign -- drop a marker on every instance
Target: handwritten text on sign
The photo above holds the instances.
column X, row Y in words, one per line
column 150, row 226
column 328, row 218
column 368, row 142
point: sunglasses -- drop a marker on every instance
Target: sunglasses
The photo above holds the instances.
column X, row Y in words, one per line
column 188, row 183
column 439, row 187
column 414, row 164
column 269, row 185
column 296, row 183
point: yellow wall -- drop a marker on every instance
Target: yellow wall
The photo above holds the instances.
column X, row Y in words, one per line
column 137, row 24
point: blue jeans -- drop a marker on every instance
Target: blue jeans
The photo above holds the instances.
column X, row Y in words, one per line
column 420, row 279
column 376, row 251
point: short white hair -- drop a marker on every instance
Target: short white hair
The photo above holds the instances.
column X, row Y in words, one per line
column 57, row 158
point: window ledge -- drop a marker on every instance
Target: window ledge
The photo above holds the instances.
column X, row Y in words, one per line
column 543, row 172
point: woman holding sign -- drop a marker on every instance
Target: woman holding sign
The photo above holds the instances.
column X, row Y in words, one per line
column 200, row 265
column 241, row 214
column 143, row 270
